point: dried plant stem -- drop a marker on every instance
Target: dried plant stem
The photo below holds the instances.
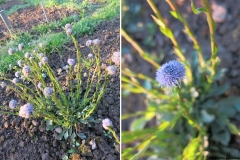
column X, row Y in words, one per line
column 170, row 35
column 189, row 32
column 139, row 49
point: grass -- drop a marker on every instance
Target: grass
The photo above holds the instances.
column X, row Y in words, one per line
column 16, row 8
column 55, row 41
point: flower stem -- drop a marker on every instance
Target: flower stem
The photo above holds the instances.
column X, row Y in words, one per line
column 114, row 135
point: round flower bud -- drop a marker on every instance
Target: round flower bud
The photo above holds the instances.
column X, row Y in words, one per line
column 26, row 71
column 89, row 43
column 107, row 123
column 68, row 26
column 44, row 60
column 96, row 41
column 116, row 58
column 15, row 80
column 71, row 62
column 40, row 64
column 111, row 70
column 69, row 31
column 13, row 104
column 90, row 55
column 40, row 86
column 40, row 55
column 17, row 74
column 31, row 58
column 19, row 62
column 10, row 51
column 27, row 55
column 48, row 91
column 20, row 46
column 26, row 110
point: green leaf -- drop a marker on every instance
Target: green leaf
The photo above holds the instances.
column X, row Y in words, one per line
column 191, row 149
column 81, row 135
column 233, row 128
column 49, row 122
column 66, row 134
column 138, row 124
column 177, row 15
column 143, row 147
column 222, row 136
column 60, row 136
column 73, row 136
column 231, row 101
column 167, row 32
column 206, row 117
column 158, row 22
column 70, row 151
column 65, row 157
column 197, row 10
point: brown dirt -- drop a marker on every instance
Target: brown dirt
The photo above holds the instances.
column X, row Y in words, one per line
column 24, row 19
column 18, row 135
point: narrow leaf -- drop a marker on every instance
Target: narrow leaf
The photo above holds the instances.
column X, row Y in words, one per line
column 197, row 10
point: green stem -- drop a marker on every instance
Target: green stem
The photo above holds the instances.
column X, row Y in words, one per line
column 189, row 32
column 212, row 26
column 177, row 47
column 114, row 135
column 139, row 49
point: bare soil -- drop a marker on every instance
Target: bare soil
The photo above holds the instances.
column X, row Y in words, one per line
column 24, row 19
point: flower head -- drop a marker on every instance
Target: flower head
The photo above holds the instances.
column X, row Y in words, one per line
column 111, row 70
column 68, row 26
column 13, row 104
column 48, row 91
column 116, row 58
column 106, row 123
column 15, row 80
column 71, row 62
column 20, row 46
column 10, row 51
column 40, row 64
column 31, row 58
column 90, row 55
column 44, row 60
column 96, row 41
column 26, row 110
column 26, row 71
column 19, row 62
column 89, row 43
column 170, row 74
column 40, row 55
column 17, row 74
column 40, row 86
column 69, row 31
column 27, row 55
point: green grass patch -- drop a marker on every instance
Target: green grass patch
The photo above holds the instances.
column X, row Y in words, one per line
column 54, row 42
column 16, row 8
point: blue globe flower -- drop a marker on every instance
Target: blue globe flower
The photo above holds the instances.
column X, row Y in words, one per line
column 170, row 74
